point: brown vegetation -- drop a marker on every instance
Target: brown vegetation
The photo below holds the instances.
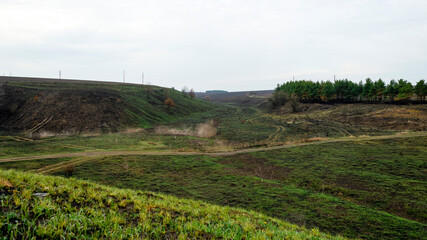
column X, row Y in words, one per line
column 390, row 117
column 169, row 103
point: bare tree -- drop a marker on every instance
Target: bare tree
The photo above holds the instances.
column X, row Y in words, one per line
column 166, row 93
column 148, row 90
column 184, row 90
column 192, row 93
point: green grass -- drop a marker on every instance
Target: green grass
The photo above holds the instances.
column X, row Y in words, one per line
column 32, row 164
column 368, row 189
column 139, row 141
column 82, row 210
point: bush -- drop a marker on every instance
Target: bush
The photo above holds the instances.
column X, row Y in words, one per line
column 278, row 99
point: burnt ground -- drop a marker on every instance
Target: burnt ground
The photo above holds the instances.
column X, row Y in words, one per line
column 384, row 116
column 378, row 116
column 60, row 111
column 74, row 106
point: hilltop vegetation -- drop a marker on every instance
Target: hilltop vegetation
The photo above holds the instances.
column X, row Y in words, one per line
column 87, row 106
column 348, row 91
column 35, row 206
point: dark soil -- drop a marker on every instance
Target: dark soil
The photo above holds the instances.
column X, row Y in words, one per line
column 382, row 116
column 61, row 111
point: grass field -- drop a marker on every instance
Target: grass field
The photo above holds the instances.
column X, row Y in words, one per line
column 368, row 189
column 13, row 146
column 74, row 209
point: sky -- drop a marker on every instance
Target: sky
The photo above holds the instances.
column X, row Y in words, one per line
column 214, row 44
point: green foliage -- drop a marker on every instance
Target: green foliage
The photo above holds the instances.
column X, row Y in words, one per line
column 392, row 90
column 347, row 91
column 303, row 90
column 421, row 90
column 368, row 89
column 405, row 90
column 74, row 209
column 379, row 88
column 278, row 99
column 327, row 91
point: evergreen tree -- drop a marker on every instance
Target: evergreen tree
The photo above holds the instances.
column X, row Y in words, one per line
column 391, row 90
column 327, row 91
column 405, row 90
column 421, row 90
column 368, row 89
column 379, row 88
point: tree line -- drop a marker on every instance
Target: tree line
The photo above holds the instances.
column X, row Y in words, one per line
column 348, row 91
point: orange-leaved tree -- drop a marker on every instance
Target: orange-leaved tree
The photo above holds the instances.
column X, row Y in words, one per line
column 169, row 103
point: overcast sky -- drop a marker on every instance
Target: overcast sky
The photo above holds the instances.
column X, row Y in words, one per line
column 214, row 44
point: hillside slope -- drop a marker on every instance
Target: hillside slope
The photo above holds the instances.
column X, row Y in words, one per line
column 31, row 104
column 53, row 207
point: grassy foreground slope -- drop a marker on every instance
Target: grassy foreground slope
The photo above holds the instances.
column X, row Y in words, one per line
column 364, row 189
column 76, row 209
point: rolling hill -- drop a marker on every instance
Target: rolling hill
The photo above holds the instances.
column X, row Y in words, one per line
column 73, row 106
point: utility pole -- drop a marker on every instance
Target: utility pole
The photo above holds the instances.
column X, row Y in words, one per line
column 142, row 79
column 59, row 74
column 334, row 78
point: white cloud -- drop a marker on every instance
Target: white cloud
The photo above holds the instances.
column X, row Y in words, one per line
column 215, row 44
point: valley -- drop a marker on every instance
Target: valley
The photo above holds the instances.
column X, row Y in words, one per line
column 352, row 170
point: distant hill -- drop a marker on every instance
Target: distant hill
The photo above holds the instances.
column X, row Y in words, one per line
column 244, row 98
column 216, row 91
column 36, row 104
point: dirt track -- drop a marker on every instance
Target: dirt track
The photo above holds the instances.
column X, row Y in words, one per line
column 213, row 154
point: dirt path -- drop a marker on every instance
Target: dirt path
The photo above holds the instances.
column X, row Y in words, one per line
column 275, row 135
column 57, row 166
column 213, row 154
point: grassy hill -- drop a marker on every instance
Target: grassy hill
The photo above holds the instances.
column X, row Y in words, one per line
column 34, row 104
column 35, row 206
